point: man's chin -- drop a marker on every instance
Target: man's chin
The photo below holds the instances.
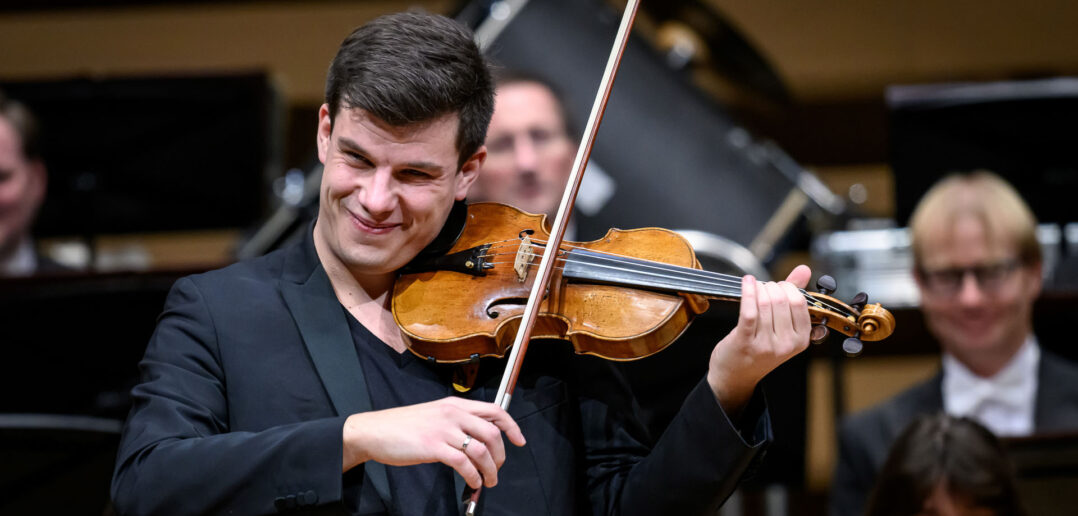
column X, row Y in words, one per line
column 8, row 243
column 976, row 342
column 370, row 260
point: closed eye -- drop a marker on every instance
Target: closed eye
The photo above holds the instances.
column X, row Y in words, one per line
column 358, row 159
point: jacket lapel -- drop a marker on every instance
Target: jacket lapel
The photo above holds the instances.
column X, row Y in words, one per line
column 322, row 324
column 1056, row 407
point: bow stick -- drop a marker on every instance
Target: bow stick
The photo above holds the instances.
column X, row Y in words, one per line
column 568, row 198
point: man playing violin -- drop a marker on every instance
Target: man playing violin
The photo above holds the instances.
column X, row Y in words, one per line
column 283, row 383
column 977, row 264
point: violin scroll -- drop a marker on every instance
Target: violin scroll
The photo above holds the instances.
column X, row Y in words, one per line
column 858, row 320
column 876, row 323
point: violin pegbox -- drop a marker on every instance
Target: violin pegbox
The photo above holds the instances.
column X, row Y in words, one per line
column 824, row 285
column 858, row 320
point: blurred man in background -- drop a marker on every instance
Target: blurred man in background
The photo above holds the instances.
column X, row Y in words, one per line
column 22, row 189
column 530, row 147
column 977, row 264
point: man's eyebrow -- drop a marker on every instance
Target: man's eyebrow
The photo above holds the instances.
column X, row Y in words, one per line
column 350, row 145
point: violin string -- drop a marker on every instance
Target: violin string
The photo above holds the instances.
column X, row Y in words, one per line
column 735, row 291
column 712, row 278
column 722, row 291
column 733, row 280
column 719, row 278
column 708, row 275
column 694, row 281
column 683, row 272
column 618, row 256
column 730, row 279
column 803, row 292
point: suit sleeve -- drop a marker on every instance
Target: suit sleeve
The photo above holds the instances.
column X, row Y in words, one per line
column 177, row 454
column 854, row 473
column 692, row 469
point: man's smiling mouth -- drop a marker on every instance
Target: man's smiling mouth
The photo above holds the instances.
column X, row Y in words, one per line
column 370, row 226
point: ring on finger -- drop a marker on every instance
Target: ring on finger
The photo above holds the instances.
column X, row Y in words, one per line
column 467, row 441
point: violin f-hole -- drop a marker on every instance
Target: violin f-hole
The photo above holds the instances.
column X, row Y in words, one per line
column 491, row 311
column 505, row 301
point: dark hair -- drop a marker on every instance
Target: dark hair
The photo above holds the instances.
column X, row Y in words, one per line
column 25, row 124
column 508, row 76
column 413, row 67
column 965, row 457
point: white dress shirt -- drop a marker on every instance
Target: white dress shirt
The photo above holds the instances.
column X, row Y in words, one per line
column 1004, row 402
column 23, row 262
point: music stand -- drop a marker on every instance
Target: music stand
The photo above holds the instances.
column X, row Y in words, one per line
column 1046, row 467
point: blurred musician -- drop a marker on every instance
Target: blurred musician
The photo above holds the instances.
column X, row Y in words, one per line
column 977, row 264
column 530, row 146
column 22, row 190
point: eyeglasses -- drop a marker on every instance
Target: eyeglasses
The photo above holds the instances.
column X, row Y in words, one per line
column 989, row 277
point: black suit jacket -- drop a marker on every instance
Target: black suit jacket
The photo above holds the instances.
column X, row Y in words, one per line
column 252, row 370
column 865, row 438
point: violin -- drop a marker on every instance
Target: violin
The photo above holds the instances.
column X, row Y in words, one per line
column 622, row 297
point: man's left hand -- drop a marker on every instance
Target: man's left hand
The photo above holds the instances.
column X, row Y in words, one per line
column 773, row 326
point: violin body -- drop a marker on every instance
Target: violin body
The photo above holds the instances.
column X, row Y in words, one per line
column 478, row 313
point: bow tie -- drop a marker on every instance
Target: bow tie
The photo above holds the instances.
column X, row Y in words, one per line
column 968, row 393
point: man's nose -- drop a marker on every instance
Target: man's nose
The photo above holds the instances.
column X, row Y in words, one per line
column 969, row 290
column 525, row 154
column 379, row 196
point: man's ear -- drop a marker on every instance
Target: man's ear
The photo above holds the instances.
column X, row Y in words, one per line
column 1036, row 279
column 325, row 129
column 40, row 180
column 470, row 171
column 919, row 279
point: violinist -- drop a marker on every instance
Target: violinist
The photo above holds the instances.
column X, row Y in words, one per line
column 977, row 264
column 283, row 384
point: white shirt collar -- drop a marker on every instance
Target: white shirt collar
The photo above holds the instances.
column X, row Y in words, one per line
column 23, row 262
column 1003, row 402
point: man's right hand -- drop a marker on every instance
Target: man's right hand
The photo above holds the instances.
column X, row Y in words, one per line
column 434, row 432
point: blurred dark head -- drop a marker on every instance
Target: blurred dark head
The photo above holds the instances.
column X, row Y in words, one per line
column 943, row 460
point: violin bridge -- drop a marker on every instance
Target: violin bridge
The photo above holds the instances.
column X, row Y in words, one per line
column 525, row 253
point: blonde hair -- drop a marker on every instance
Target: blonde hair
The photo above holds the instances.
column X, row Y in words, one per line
column 986, row 196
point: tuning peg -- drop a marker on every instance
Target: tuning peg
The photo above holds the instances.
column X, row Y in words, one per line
column 819, row 332
column 859, row 301
column 852, row 346
column 826, row 285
